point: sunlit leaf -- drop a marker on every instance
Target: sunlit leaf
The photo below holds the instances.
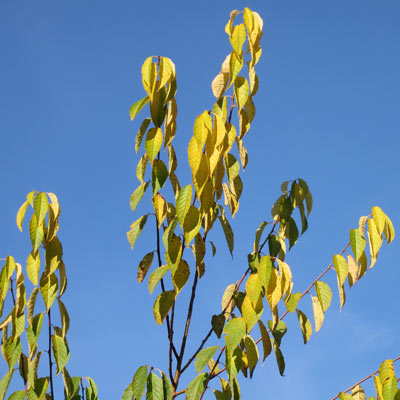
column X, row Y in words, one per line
column 160, row 208
column 241, row 88
column 318, row 313
column 266, row 342
column 162, row 305
column 21, row 214
column 234, row 329
column 136, row 229
column 48, row 288
column 137, row 106
column 183, row 202
column 341, row 267
column 204, row 356
column 196, row 387
column 279, row 356
column 324, row 294
column 154, row 139
column 60, row 351
column 137, row 195
column 139, row 382
column 305, row 325
column 251, row 352
column 357, row 243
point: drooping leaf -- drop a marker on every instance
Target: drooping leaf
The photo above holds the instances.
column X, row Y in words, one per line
column 375, row 239
column 162, row 305
column 36, row 233
column 136, row 229
column 341, row 268
column 241, row 88
column 228, row 303
column 324, row 294
column 137, row 106
column 159, row 175
column 219, row 84
column 48, row 288
column 204, row 356
column 180, row 276
column 358, row 393
column 183, row 202
column 237, row 38
column 227, row 232
column 41, row 205
column 279, row 357
column 252, row 353
column 357, row 243
column 64, row 317
column 318, row 313
column 167, row 387
column 21, row 214
column 217, row 323
column 305, row 325
column 154, row 139
column 253, row 288
column 32, row 267
column 292, row 301
column 144, row 266
column 160, row 208
column 60, row 351
column 154, row 387
column 137, row 195
column 192, row 225
column 266, row 342
column 156, row 276
column 353, row 270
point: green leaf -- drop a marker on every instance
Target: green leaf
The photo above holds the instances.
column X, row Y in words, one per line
column 167, row 387
column 345, row 396
column 36, row 233
column 60, row 351
column 204, row 356
column 156, row 276
column 144, row 266
column 341, row 267
column 324, row 294
column 234, row 329
column 279, row 331
column 48, row 288
column 252, row 353
column 357, row 243
column 154, row 387
column 196, row 387
column 234, row 362
column 154, row 139
column 227, row 232
column 217, row 323
column 183, row 202
column 253, row 289
column 228, row 303
column 137, row 195
column 4, row 383
column 137, row 106
column 162, row 305
column 259, row 233
column 158, row 107
column 41, row 205
column 159, row 175
column 305, row 325
column 19, row 395
column 293, row 232
column 136, row 229
column 241, row 88
column 279, row 356
column 265, row 339
column 139, row 382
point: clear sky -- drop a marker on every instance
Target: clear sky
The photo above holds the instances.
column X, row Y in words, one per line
column 327, row 111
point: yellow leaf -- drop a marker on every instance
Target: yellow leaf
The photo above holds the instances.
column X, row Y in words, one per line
column 200, row 128
column 191, row 224
column 379, row 219
column 318, row 313
column 21, row 214
column 235, row 66
column 237, row 38
column 342, row 293
column 228, row 27
column 389, row 229
column 375, row 239
column 324, row 294
column 194, row 155
column 253, row 288
column 160, row 208
column 353, row 270
column 274, row 292
column 149, row 76
column 341, row 268
column 167, row 71
column 249, row 314
column 219, row 84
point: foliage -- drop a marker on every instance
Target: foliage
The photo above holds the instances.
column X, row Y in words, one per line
column 184, row 216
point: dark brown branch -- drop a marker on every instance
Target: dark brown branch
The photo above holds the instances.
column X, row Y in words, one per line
column 50, row 360
column 12, row 291
column 186, row 332
column 363, row 380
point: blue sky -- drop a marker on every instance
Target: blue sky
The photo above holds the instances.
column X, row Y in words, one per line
column 327, row 111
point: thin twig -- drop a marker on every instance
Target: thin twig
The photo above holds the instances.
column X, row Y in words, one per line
column 12, row 291
column 363, row 380
column 50, row 361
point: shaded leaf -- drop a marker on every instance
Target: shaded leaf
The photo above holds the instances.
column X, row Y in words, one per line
column 136, row 229
column 266, row 342
column 144, row 266
column 137, row 195
column 162, row 305
column 305, row 325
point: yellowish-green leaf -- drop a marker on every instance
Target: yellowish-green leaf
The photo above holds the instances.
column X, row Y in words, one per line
column 159, row 175
column 162, row 305
column 341, row 267
column 228, row 27
column 156, row 276
column 36, row 233
column 174, row 253
column 149, row 76
column 41, row 205
column 252, row 353
column 136, row 229
column 153, row 143
column 305, row 325
column 227, row 232
column 266, row 342
column 345, row 396
column 160, row 208
column 180, row 275
column 48, row 289
column 292, row 301
column 253, row 288
column 249, row 314
column 389, row 229
column 358, row 393
column 191, row 224
column 324, row 294
column 183, row 202
column 386, row 371
column 31, row 304
column 137, row 106
column 235, row 66
column 357, row 243
column 137, row 195
column 375, row 238
column 378, row 387
column 64, row 317
column 144, row 266
column 274, row 290
column 237, row 38
column 141, row 132
column 203, row 357
column 228, row 303
column 279, row 356
column 60, row 351
column 342, row 294
column 234, row 329
column 141, row 167
column 21, row 214
column 196, row 387
column 194, row 155
column 318, row 313
column 379, row 219
column 241, row 88
column 32, row 267
column 353, row 270
column 167, row 71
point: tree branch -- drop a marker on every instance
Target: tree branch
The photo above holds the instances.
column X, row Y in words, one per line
column 363, row 380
